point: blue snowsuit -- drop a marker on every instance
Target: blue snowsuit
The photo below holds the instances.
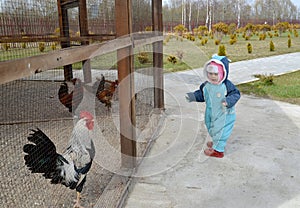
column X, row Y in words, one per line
column 219, row 119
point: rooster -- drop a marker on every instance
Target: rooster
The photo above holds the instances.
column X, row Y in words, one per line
column 71, row 100
column 69, row 168
column 106, row 93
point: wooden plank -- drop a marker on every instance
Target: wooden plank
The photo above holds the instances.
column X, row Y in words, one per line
column 147, row 41
column 146, row 36
column 47, row 38
column 64, row 32
column 69, row 4
column 83, row 26
column 63, row 24
column 158, row 55
column 83, row 20
column 126, row 87
column 20, row 68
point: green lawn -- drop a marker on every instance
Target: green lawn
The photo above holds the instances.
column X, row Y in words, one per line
column 284, row 88
column 191, row 54
column 195, row 55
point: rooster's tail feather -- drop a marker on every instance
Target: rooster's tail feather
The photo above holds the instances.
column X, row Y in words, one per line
column 42, row 157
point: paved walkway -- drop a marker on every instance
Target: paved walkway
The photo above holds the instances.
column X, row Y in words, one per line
column 261, row 164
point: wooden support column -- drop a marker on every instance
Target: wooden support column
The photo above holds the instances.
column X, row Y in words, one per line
column 64, row 32
column 84, row 31
column 157, row 26
column 126, row 88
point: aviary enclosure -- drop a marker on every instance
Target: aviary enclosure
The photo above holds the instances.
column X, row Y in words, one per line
column 48, row 45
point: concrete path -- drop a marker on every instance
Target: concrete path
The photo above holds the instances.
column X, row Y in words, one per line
column 261, row 166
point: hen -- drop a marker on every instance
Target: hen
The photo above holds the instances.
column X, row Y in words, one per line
column 69, row 168
column 99, row 84
column 71, row 100
column 106, row 90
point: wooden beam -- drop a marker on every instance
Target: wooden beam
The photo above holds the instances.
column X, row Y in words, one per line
column 83, row 20
column 51, row 38
column 20, row 68
column 64, row 32
column 126, row 88
column 84, row 31
column 69, row 4
column 145, row 36
column 157, row 23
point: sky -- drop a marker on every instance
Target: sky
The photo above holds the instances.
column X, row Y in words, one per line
column 296, row 2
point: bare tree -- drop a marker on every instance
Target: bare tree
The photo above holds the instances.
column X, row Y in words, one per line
column 190, row 15
column 239, row 14
column 207, row 13
column 232, row 11
column 208, row 21
column 275, row 10
column 287, row 10
column 183, row 12
column 198, row 6
column 45, row 8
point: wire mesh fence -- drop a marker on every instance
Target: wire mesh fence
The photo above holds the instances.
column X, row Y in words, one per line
column 28, row 105
column 33, row 102
column 31, row 28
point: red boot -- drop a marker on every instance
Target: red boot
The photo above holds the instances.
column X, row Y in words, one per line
column 213, row 153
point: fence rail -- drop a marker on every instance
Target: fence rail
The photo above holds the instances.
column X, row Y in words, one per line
column 48, row 38
column 20, row 68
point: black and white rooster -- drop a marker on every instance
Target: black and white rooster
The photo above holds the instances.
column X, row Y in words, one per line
column 69, row 168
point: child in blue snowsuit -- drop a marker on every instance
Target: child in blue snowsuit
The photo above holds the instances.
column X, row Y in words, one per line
column 220, row 96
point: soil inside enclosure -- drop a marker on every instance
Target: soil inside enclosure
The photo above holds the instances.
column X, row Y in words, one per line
column 28, row 105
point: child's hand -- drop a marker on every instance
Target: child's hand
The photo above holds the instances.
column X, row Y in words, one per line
column 187, row 98
column 224, row 103
column 190, row 97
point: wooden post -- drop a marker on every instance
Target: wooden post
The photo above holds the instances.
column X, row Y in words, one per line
column 64, row 32
column 126, row 88
column 84, row 31
column 157, row 26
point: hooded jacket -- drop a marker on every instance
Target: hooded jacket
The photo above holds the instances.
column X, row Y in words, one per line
column 219, row 119
column 232, row 94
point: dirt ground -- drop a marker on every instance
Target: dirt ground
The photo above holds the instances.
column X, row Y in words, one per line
column 34, row 104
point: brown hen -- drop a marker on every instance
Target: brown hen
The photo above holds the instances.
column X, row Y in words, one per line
column 71, row 100
column 106, row 92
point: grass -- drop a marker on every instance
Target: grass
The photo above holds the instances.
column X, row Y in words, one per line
column 284, row 88
column 194, row 55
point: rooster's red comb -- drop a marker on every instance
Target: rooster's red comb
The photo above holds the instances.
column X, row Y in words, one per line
column 86, row 114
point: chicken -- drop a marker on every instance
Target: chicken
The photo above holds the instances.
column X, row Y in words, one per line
column 105, row 96
column 105, row 90
column 99, row 84
column 69, row 168
column 71, row 100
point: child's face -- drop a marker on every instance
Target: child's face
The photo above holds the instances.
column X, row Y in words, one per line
column 213, row 77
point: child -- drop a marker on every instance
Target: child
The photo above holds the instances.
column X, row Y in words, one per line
column 220, row 96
